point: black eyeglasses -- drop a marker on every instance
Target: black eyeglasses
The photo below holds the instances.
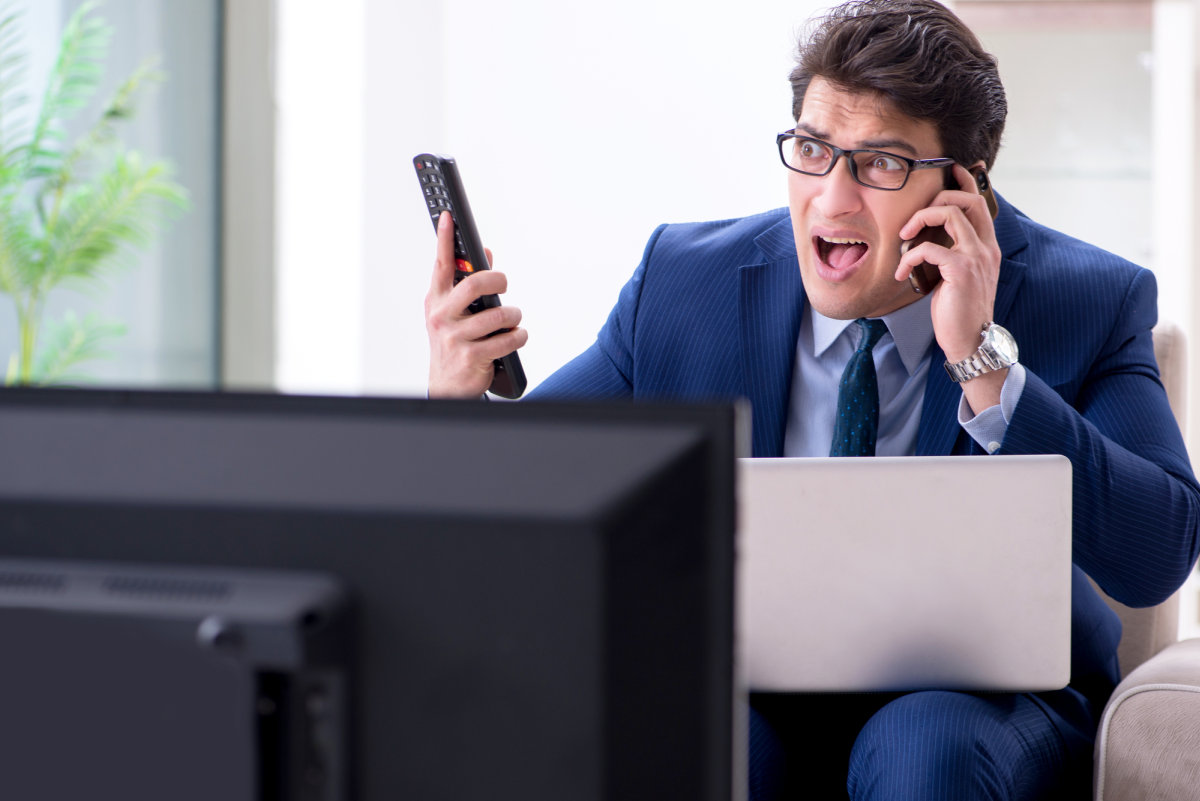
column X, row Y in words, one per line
column 877, row 169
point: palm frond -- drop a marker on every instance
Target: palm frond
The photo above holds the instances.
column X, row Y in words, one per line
column 102, row 220
column 18, row 249
column 122, row 106
column 13, row 98
column 70, row 342
column 73, row 82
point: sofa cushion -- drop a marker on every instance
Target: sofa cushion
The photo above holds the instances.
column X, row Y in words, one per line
column 1148, row 746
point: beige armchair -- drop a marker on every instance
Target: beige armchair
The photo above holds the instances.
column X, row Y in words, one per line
column 1148, row 746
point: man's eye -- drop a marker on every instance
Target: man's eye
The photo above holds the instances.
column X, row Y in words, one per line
column 885, row 163
column 810, row 150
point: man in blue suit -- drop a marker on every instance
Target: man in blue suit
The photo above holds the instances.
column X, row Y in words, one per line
column 898, row 112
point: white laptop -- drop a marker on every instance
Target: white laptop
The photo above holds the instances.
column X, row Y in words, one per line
column 905, row 573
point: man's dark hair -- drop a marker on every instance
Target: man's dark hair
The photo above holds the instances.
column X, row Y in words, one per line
column 918, row 55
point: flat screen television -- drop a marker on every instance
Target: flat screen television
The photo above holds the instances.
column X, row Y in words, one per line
column 249, row 596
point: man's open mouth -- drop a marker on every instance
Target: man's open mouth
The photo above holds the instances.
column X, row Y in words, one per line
column 839, row 253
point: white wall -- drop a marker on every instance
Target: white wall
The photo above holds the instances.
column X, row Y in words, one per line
column 321, row 191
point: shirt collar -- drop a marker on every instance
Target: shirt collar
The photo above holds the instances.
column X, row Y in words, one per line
column 911, row 328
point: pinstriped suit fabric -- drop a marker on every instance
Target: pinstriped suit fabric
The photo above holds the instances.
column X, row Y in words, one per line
column 713, row 312
column 940, row 745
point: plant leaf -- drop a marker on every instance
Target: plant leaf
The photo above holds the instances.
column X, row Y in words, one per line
column 18, row 250
column 70, row 342
column 100, row 221
column 122, row 106
column 13, row 98
column 73, row 81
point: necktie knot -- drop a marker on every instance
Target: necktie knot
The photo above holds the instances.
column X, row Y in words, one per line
column 872, row 331
column 857, row 422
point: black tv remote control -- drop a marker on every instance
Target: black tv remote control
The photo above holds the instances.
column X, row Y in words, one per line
column 443, row 190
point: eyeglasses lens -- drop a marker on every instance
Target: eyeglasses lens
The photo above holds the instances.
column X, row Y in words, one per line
column 872, row 168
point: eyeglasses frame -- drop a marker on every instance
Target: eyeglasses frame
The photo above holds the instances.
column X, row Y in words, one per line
column 913, row 164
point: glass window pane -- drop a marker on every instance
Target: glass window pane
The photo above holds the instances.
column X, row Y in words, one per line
column 166, row 295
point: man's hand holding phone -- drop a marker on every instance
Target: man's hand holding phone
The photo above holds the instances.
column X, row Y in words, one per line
column 963, row 301
column 462, row 345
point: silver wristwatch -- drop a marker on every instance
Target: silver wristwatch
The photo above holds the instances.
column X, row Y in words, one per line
column 998, row 350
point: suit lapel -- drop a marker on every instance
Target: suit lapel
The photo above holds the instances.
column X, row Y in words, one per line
column 940, row 432
column 769, row 305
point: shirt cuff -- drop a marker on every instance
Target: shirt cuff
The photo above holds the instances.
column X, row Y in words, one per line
column 989, row 426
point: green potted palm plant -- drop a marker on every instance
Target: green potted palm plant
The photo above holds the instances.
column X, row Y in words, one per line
column 72, row 209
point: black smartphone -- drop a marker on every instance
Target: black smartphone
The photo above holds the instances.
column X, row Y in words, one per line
column 925, row 276
column 442, row 187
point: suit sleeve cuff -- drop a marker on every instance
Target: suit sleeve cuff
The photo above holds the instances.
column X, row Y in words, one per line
column 989, row 426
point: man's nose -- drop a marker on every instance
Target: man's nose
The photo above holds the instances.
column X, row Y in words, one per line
column 839, row 193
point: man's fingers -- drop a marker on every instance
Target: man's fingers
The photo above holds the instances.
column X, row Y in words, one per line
column 484, row 282
column 966, row 181
column 938, row 214
column 463, row 345
column 499, row 345
column 485, row 323
column 965, row 217
column 443, row 266
column 972, row 203
column 455, row 303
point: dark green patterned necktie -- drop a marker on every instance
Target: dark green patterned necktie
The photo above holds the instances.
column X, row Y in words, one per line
column 857, row 421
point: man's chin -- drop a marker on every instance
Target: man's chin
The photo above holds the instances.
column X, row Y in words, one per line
column 846, row 301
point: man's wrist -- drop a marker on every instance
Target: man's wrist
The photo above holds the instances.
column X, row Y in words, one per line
column 989, row 426
column 984, row 391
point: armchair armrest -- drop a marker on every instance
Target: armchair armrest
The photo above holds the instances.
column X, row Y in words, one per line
column 1148, row 745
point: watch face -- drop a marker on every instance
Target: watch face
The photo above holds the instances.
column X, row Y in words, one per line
column 1003, row 344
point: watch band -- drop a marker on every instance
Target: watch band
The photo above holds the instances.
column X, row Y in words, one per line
column 973, row 366
column 987, row 358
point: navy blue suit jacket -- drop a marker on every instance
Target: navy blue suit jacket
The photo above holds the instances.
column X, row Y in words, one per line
column 713, row 312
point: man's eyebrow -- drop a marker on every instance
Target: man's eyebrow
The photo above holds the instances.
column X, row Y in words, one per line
column 872, row 144
column 889, row 144
column 811, row 131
